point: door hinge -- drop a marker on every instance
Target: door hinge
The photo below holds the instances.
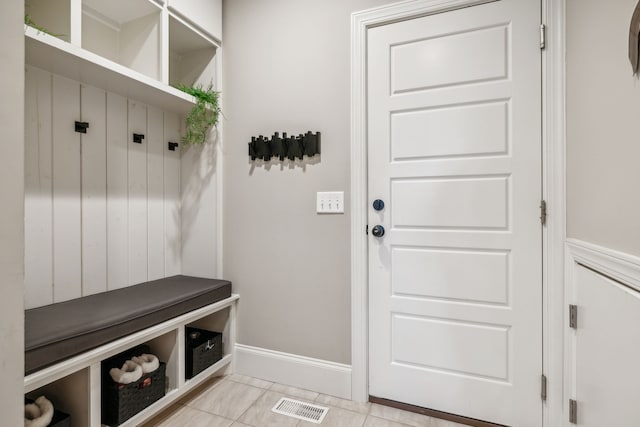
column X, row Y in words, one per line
column 367, row 230
column 543, row 387
column 543, row 212
column 573, row 316
column 573, row 411
column 543, row 36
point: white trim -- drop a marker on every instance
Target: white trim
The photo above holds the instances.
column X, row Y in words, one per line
column 553, row 16
column 617, row 265
column 554, row 190
column 290, row 369
column 219, row 150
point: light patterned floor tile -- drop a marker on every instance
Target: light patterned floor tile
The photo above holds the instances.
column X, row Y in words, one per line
column 227, row 399
column 239, row 424
column 202, row 388
column 260, row 414
column 337, row 417
column 400, row 416
column 186, row 416
column 372, row 421
column 435, row 422
column 255, row 382
column 350, row 405
column 294, row 392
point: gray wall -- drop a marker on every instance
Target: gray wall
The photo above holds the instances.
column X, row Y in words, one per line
column 287, row 68
column 603, row 126
column 12, row 213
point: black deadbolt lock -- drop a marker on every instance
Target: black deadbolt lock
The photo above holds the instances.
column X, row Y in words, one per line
column 378, row 204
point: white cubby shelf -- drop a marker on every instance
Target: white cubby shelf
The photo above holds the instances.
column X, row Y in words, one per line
column 59, row 57
column 139, row 49
column 74, row 385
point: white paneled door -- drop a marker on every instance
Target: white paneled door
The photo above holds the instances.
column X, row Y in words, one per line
column 455, row 282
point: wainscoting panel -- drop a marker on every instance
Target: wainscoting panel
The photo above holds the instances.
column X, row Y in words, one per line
column 94, row 191
column 67, row 210
column 604, row 347
column 101, row 211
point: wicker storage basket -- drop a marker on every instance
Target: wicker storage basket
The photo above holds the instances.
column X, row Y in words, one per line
column 203, row 349
column 122, row 401
column 60, row 419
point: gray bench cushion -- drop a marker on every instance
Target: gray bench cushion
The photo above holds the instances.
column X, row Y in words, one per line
column 59, row 331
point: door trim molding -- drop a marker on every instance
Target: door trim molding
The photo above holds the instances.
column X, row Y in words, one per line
column 553, row 187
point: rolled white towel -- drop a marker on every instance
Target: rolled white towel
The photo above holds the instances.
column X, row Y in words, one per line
column 39, row 413
column 148, row 362
column 130, row 372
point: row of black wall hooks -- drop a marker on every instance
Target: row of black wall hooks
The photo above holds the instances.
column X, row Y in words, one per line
column 290, row 147
column 81, row 127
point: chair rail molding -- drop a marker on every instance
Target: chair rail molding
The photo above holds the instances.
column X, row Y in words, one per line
column 617, row 265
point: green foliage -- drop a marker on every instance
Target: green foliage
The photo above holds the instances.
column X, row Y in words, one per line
column 28, row 21
column 203, row 115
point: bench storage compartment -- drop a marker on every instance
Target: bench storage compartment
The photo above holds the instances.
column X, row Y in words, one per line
column 113, row 325
column 122, row 401
column 59, row 331
column 203, row 349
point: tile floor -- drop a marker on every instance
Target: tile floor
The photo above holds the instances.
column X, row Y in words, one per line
column 238, row 401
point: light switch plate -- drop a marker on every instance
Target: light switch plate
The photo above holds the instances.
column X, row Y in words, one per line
column 330, row 202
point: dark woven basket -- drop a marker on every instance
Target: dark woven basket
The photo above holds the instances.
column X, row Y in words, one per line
column 121, row 402
column 203, row 349
column 60, row 419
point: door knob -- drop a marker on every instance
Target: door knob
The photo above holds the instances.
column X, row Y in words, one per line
column 378, row 231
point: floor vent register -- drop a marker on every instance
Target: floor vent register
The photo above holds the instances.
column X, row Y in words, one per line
column 301, row 410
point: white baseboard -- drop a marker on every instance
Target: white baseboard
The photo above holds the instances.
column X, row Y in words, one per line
column 290, row 369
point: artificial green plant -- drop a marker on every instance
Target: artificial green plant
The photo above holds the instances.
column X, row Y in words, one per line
column 203, row 115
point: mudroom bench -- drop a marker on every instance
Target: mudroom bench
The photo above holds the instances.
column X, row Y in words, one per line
column 66, row 342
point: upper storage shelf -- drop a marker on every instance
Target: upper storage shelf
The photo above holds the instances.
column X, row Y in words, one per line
column 192, row 55
column 124, row 31
column 135, row 48
column 53, row 15
column 205, row 14
column 59, row 57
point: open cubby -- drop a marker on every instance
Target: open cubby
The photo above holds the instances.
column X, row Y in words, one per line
column 165, row 347
column 54, row 16
column 192, row 55
column 217, row 322
column 69, row 394
column 127, row 32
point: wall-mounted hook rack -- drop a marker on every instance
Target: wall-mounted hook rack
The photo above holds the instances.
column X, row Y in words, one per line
column 293, row 147
column 81, row 127
column 137, row 138
column 173, row 146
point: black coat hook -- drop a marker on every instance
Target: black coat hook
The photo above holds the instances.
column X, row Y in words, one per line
column 294, row 147
column 137, row 138
column 173, row 146
column 81, row 127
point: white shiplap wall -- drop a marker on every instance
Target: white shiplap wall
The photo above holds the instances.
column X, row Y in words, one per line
column 101, row 212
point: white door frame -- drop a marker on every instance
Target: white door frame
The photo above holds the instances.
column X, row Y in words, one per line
column 553, row 189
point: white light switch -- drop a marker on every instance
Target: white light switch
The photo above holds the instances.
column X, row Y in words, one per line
column 330, row 202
